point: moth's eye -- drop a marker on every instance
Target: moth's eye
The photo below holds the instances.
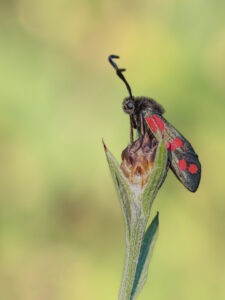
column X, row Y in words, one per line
column 130, row 105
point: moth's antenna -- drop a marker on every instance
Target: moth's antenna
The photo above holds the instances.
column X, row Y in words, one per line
column 119, row 72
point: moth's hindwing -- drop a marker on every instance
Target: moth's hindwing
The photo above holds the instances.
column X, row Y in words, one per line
column 184, row 161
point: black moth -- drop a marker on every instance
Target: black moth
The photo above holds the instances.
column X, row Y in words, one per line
column 147, row 115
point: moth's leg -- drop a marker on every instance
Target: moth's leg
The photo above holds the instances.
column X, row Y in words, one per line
column 142, row 124
column 131, row 131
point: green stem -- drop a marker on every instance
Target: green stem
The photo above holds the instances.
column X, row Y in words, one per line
column 136, row 205
column 132, row 256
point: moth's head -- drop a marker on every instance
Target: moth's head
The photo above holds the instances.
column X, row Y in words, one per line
column 129, row 105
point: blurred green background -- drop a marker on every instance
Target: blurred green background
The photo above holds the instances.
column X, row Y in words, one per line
column 61, row 228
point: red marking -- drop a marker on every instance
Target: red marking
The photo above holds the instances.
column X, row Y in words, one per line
column 104, row 145
column 182, row 164
column 193, row 168
column 160, row 124
column 151, row 124
column 177, row 143
column 170, row 147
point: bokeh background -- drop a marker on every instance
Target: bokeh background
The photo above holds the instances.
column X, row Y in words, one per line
column 61, row 228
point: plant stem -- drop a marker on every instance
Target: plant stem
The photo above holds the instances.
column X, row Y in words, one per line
column 136, row 202
column 132, row 257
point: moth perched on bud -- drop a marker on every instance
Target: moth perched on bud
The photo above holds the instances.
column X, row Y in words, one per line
column 146, row 116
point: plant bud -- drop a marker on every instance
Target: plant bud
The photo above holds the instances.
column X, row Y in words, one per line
column 138, row 160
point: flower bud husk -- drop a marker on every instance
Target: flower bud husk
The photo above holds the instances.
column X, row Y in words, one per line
column 138, row 160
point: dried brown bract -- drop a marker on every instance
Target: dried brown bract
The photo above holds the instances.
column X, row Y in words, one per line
column 138, row 160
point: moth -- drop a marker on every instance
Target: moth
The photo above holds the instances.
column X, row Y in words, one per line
column 146, row 115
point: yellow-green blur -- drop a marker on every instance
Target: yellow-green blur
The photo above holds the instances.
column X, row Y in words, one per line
column 61, row 229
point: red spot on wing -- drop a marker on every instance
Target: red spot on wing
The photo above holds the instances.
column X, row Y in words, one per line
column 159, row 122
column 182, row 164
column 151, row 124
column 170, row 146
column 177, row 143
column 193, row 168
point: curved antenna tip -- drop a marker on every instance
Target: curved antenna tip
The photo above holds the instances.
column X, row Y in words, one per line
column 119, row 72
column 113, row 56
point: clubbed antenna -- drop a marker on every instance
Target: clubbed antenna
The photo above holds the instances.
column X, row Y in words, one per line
column 119, row 72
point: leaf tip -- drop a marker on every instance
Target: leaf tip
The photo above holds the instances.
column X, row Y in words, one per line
column 157, row 218
column 105, row 148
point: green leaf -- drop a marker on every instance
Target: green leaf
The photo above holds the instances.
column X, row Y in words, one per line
column 156, row 178
column 144, row 257
column 123, row 188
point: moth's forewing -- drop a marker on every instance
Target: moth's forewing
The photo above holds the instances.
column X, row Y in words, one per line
column 184, row 161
